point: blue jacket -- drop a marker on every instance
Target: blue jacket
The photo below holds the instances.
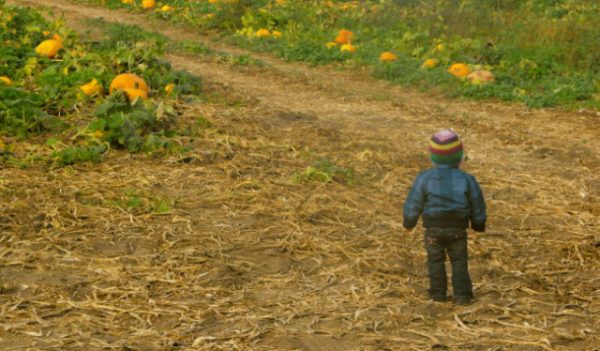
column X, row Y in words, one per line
column 446, row 197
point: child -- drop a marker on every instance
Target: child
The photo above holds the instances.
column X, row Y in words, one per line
column 448, row 199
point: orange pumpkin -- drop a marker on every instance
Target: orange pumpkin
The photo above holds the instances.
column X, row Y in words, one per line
column 148, row 4
column 344, row 37
column 459, row 70
column 387, row 56
column 263, row 33
column 131, row 84
column 133, row 94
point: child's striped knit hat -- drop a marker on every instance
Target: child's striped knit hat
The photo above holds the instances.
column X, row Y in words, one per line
column 445, row 147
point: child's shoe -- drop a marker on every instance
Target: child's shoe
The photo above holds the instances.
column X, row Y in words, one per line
column 463, row 301
column 439, row 298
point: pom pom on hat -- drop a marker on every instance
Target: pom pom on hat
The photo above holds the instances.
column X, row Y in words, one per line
column 445, row 147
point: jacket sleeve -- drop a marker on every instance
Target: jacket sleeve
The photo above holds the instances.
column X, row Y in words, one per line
column 478, row 207
column 413, row 207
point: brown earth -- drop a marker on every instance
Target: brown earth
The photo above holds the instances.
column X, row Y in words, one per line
column 247, row 259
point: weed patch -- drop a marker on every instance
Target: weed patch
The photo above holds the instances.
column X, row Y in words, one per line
column 324, row 171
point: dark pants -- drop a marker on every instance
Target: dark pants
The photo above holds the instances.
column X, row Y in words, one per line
column 438, row 242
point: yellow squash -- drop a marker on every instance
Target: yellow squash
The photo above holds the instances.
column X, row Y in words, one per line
column 49, row 48
column 348, row 48
column 169, row 88
column 92, row 88
column 5, row 80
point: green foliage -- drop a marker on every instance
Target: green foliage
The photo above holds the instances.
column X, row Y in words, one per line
column 138, row 201
column 229, row 16
column 132, row 126
column 21, row 112
column 192, row 47
column 78, row 154
column 132, row 35
column 324, row 171
column 161, row 206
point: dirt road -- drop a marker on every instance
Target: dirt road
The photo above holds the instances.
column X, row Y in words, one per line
column 249, row 260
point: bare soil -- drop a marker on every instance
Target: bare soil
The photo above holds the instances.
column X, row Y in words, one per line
column 249, row 260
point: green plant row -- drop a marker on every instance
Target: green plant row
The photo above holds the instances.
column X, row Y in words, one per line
column 542, row 53
column 43, row 96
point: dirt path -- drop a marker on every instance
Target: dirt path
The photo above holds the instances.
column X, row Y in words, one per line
column 354, row 102
column 314, row 269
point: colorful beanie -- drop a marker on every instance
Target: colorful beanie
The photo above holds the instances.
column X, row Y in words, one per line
column 445, row 147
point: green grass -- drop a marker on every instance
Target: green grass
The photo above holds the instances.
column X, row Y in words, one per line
column 138, row 201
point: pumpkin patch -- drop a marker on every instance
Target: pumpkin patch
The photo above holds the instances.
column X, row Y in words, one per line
column 419, row 35
column 144, row 210
column 49, row 81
